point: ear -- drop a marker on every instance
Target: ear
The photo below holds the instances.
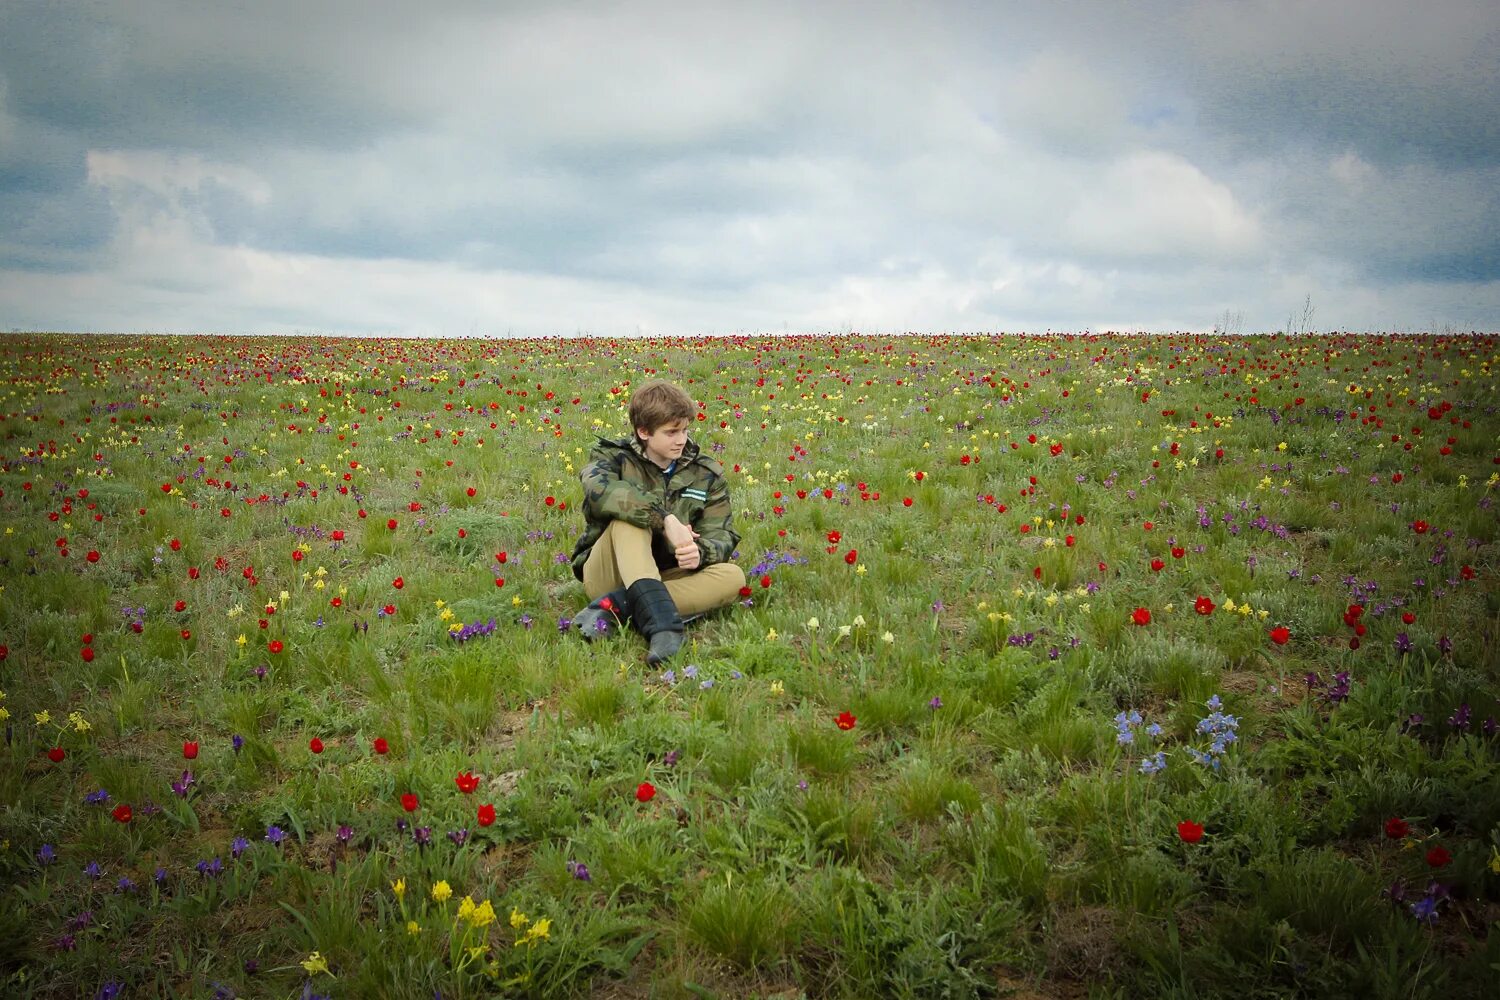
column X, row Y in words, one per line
column 642, row 433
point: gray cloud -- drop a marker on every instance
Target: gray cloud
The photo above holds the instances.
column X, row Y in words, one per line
column 636, row 166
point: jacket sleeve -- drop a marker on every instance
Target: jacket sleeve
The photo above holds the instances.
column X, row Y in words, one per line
column 715, row 527
column 607, row 497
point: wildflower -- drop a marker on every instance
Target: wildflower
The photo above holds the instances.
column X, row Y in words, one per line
column 539, row 930
column 486, row 814
column 1437, row 857
column 1203, row 606
column 422, row 835
column 777, row 687
column 1281, row 635
column 482, row 915
column 645, row 792
column 413, row 928
column 441, row 891
column 1396, row 828
column 181, row 786
column 315, row 963
column 398, row 887
column 1190, row 832
column 466, row 782
column 275, row 835
column 238, row 847
column 579, row 871
column 122, row 813
column 1141, row 616
column 845, row 720
column 517, row 918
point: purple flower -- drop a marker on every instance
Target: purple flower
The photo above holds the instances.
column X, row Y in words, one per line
column 1425, row 910
column 671, row 757
column 275, row 834
column 96, row 798
column 1403, row 642
column 238, row 742
column 422, row 835
column 1445, row 645
column 238, row 846
column 580, row 871
column 345, row 832
column 210, row 869
column 1460, row 717
column 459, row 837
column 181, row 786
column 936, row 703
column 124, row 885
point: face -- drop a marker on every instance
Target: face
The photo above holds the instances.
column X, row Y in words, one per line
column 665, row 443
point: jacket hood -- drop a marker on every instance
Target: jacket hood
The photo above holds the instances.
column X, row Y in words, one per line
column 690, row 450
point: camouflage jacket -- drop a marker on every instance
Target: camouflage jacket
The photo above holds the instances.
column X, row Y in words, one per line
column 620, row 482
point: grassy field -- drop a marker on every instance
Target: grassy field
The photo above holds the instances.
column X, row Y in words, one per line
column 1069, row 666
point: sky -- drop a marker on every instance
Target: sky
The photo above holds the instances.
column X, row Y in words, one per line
column 637, row 168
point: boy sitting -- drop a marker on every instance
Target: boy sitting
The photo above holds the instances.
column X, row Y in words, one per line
column 658, row 536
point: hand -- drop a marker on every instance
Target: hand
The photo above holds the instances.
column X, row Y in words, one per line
column 676, row 533
column 688, row 556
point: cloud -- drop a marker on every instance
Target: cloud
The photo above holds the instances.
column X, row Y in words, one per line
column 536, row 167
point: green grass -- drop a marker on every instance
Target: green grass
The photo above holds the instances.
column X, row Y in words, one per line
column 979, row 829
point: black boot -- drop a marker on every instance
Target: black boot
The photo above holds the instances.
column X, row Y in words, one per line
column 654, row 615
column 600, row 617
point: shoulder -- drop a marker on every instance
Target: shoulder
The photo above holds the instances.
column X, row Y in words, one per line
column 709, row 465
column 609, row 449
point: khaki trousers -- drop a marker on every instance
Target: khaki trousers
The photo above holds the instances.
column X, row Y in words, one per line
column 622, row 555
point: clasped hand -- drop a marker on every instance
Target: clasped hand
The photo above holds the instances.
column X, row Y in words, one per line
column 682, row 538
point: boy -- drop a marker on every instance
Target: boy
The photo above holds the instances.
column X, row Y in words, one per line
column 658, row 537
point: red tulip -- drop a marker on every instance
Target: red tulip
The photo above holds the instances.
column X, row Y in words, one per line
column 122, row 813
column 1281, row 635
column 56, row 755
column 381, row 746
column 409, row 802
column 190, row 749
column 315, row 745
column 1141, row 616
column 845, row 720
column 466, row 782
column 1189, row 831
column 1437, row 857
column 486, row 814
column 1396, row 828
column 1204, row 606
column 645, row 792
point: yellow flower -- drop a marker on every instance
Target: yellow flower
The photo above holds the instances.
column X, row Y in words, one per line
column 859, row 621
column 43, row 717
column 888, row 638
column 845, row 630
column 541, row 929
column 241, row 640
column 399, row 888
column 413, row 928
column 860, row 570
column 1495, row 860
column 466, row 908
column 315, row 963
column 477, row 951
column 446, row 614
column 771, row 635
column 518, row 919
column 483, row 915
column 777, row 687
column 441, row 892
column 4, row 713
column 80, row 724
